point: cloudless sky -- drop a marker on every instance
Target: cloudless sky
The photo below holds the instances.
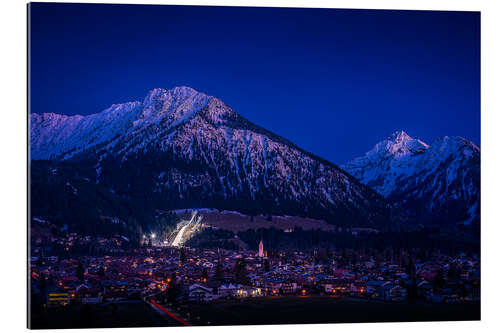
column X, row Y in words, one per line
column 335, row 82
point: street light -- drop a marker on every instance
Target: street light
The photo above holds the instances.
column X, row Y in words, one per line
column 153, row 235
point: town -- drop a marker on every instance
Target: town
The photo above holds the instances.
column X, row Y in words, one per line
column 171, row 279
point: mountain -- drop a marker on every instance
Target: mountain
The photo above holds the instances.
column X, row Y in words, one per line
column 180, row 148
column 437, row 183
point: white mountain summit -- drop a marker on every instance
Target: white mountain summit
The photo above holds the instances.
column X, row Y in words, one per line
column 426, row 179
column 186, row 149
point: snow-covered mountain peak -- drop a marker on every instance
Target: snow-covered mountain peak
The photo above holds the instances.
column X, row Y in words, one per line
column 400, row 136
column 455, row 143
column 50, row 116
column 183, row 148
column 170, row 108
column 160, row 112
column 418, row 176
column 53, row 135
column 398, row 145
column 185, row 91
column 180, row 92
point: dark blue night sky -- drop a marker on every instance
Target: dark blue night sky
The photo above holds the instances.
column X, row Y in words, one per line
column 335, row 82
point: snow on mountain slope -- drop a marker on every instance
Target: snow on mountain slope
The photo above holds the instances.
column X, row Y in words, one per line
column 387, row 161
column 52, row 135
column 183, row 148
column 426, row 180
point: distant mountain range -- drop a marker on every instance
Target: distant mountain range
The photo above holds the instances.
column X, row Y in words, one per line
column 180, row 148
column 437, row 183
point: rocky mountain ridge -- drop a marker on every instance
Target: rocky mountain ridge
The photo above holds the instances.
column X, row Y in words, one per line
column 180, row 148
column 437, row 183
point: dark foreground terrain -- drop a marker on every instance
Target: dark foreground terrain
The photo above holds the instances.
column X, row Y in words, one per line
column 257, row 311
column 126, row 314
column 310, row 310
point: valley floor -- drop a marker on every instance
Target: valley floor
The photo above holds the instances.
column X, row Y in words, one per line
column 122, row 314
column 326, row 309
column 257, row 311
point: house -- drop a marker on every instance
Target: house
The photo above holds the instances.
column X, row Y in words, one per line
column 397, row 294
column 271, row 286
column 424, row 289
column 288, row 288
column 200, row 294
column 57, row 298
column 87, row 295
column 372, row 286
column 116, row 291
column 228, row 290
column 248, row 291
column 340, row 273
column 338, row 286
column 384, row 291
column 358, row 288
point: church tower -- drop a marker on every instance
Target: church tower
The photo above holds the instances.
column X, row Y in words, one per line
column 261, row 249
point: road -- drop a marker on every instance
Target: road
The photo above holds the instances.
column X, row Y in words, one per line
column 163, row 310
